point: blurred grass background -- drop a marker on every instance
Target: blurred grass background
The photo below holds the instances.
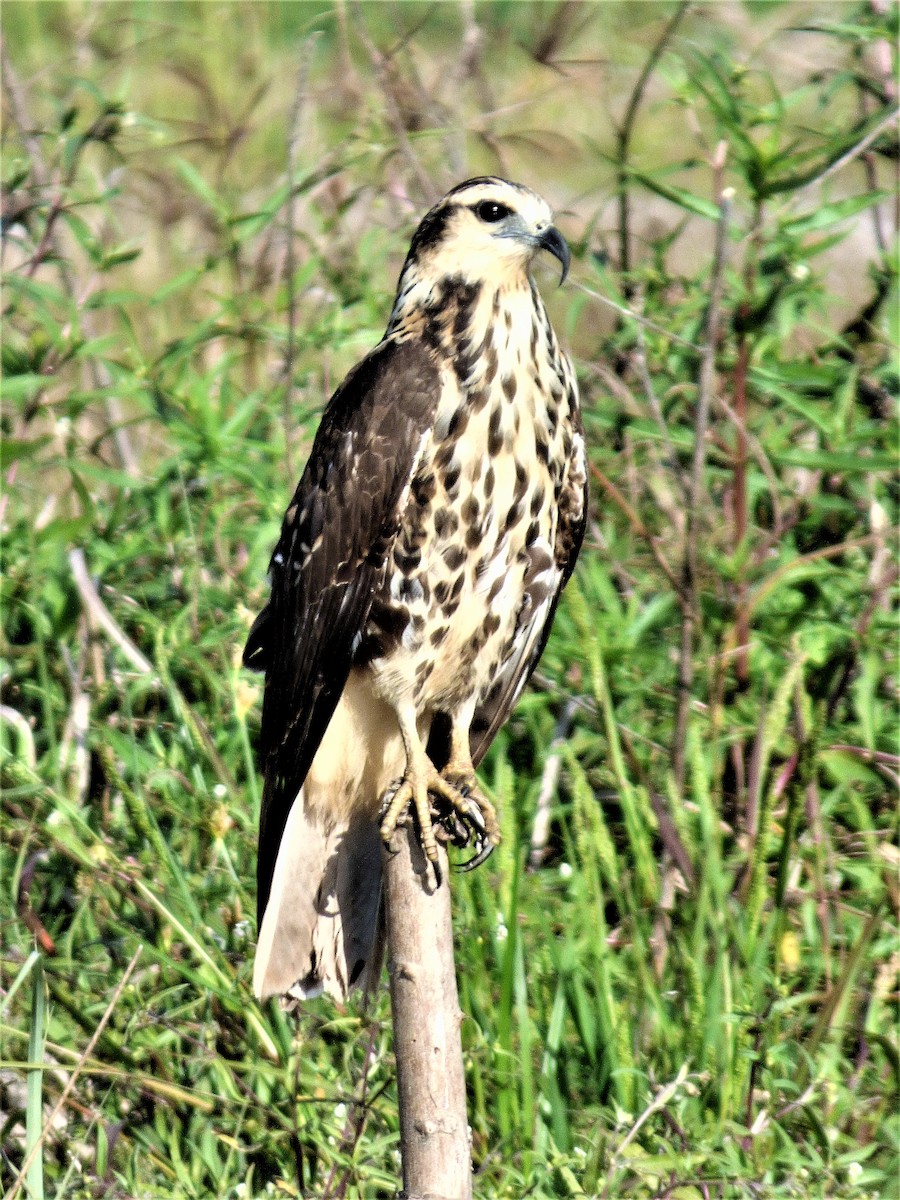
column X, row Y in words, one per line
column 680, row 968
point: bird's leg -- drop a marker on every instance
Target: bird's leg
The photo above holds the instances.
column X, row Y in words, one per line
column 456, row 785
column 417, row 781
column 458, row 776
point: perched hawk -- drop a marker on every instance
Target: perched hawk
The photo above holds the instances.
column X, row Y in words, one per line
column 415, row 580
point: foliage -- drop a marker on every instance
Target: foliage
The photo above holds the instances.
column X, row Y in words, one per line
column 687, row 987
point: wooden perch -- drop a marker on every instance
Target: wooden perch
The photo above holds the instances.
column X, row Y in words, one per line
column 434, row 1137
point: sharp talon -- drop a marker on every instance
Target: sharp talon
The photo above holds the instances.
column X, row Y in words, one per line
column 481, row 856
column 476, row 816
column 450, row 805
column 454, row 829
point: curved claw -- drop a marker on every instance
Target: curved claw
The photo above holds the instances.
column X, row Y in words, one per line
column 462, row 824
column 475, row 815
column 482, row 855
column 449, row 803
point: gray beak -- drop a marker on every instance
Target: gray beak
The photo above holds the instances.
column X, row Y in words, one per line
column 554, row 242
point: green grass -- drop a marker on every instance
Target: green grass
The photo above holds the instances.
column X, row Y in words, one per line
column 694, row 994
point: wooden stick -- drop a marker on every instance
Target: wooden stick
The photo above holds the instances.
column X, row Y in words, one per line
column 431, row 1088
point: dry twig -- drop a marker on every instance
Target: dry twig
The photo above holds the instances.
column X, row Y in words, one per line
column 643, row 373
column 395, row 117
column 27, row 913
column 100, row 615
column 540, row 830
column 640, row 529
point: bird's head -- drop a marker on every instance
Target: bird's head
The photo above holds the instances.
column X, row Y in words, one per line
column 486, row 230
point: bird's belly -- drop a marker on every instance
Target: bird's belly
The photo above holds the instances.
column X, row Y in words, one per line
column 463, row 645
column 457, row 578
column 450, row 650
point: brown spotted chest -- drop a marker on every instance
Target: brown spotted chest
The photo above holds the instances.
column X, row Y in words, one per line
column 475, row 560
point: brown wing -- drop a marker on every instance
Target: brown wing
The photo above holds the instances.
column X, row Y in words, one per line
column 544, row 583
column 328, row 565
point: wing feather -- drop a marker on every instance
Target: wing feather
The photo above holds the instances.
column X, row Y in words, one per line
column 329, row 564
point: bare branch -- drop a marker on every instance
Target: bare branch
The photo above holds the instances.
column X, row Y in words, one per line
column 854, row 152
column 755, row 447
column 395, row 117
column 659, row 1101
column 643, row 373
column 18, row 111
column 625, row 311
column 639, row 528
column 100, row 615
column 465, row 69
column 626, row 129
column 540, row 830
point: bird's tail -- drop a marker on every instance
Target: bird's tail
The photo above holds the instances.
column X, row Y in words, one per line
column 319, row 928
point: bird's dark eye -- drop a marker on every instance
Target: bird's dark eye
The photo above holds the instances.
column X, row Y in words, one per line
column 491, row 211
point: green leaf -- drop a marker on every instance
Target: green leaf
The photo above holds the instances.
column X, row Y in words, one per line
column 114, row 298
column 67, row 531
column 679, row 196
column 826, row 460
column 17, row 388
column 34, row 1110
column 849, row 768
column 201, row 188
column 829, row 214
column 178, row 283
column 36, row 290
column 84, row 236
column 13, row 449
column 124, row 254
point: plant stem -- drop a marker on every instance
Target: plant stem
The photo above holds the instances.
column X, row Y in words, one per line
column 689, row 582
column 33, row 1170
column 625, row 130
column 34, row 1147
column 742, row 632
column 295, row 141
column 434, row 1140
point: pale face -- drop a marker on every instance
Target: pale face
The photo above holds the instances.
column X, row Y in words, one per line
column 487, row 231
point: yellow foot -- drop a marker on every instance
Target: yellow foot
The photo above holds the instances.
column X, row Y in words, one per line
column 461, row 810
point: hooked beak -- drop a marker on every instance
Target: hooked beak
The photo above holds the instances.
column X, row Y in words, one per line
column 554, row 242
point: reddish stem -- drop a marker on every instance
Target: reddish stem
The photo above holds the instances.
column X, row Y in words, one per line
column 742, row 631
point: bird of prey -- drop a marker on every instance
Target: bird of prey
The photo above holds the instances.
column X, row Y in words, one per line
column 414, row 583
